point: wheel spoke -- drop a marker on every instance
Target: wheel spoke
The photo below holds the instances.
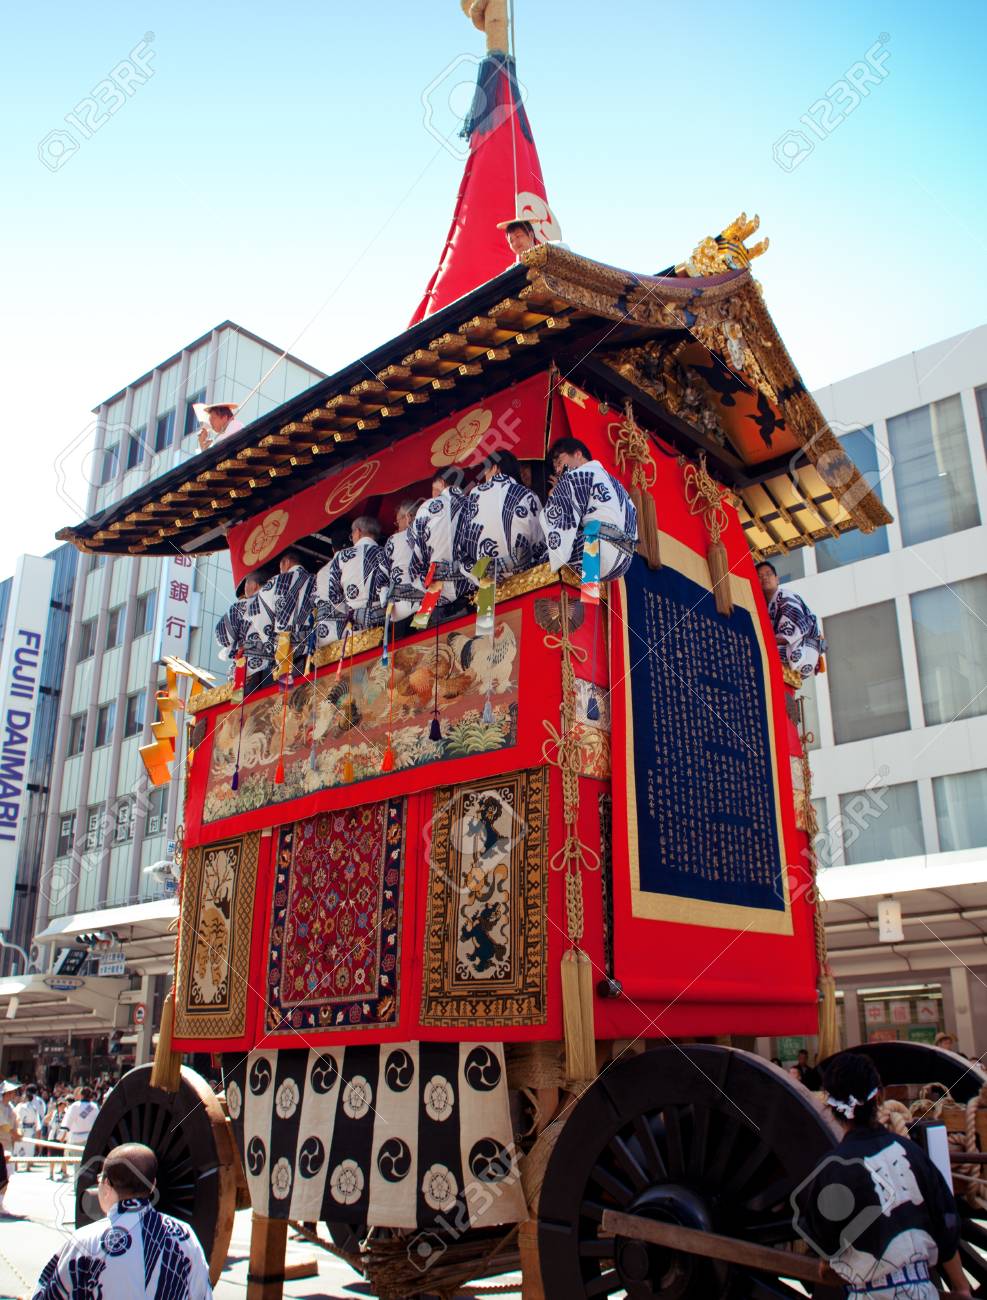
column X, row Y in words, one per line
column 618, row 1189
column 973, row 1262
column 629, row 1163
column 768, row 1197
column 702, row 1116
column 747, row 1170
column 596, row 1247
column 768, row 1232
column 673, row 1139
column 649, row 1146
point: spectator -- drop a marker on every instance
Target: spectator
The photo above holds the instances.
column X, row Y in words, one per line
column 135, row 1250
column 878, row 1210
column 79, row 1119
column 808, row 1074
column 946, row 1042
column 797, row 633
column 28, row 1121
column 8, row 1135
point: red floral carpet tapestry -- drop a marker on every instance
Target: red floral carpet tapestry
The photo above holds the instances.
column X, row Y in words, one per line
column 336, row 920
column 486, row 934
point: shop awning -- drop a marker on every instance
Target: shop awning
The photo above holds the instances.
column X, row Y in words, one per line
column 46, row 1006
column 145, row 932
column 943, row 913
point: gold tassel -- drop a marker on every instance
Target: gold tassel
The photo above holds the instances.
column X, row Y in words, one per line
column 829, row 1034
column 719, row 572
column 578, row 1016
column 647, row 525
column 167, row 1068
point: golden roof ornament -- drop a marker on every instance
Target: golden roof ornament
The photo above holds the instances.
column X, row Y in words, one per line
column 727, row 251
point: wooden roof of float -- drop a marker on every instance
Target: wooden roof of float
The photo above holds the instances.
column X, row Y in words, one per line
column 697, row 353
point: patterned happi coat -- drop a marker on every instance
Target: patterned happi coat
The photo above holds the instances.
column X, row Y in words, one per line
column 283, row 604
column 434, row 542
column 581, row 494
column 348, row 587
column 501, row 519
column 397, row 583
column 797, row 634
column 234, row 635
column 135, row 1251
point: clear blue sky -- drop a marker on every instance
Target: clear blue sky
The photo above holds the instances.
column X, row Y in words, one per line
column 277, row 158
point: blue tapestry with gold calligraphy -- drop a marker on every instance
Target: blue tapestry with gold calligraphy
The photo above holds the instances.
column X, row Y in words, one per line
column 701, row 762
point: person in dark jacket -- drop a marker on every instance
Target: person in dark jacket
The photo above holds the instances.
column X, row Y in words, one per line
column 877, row 1209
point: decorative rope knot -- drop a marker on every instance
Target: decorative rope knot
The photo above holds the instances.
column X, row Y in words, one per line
column 577, row 652
column 630, row 446
column 705, row 497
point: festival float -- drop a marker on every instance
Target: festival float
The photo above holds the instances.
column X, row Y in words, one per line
column 474, row 917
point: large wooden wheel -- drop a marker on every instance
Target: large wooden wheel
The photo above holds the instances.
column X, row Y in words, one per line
column 705, row 1137
column 197, row 1158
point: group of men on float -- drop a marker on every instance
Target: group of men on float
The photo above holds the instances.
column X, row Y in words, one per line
column 433, row 561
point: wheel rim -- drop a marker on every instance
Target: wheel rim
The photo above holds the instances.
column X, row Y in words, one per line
column 706, row 1137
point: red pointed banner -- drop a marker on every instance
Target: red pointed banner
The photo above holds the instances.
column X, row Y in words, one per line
column 502, row 179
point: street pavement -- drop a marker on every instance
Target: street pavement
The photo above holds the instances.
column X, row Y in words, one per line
column 26, row 1245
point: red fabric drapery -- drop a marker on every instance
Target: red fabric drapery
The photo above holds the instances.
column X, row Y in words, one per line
column 502, row 179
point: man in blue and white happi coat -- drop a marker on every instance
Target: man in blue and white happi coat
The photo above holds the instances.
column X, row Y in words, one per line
column 434, row 539
column 584, row 491
column 501, row 519
column 398, row 585
column 797, row 633
column 348, row 587
column 233, row 631
column 283, row 604
column 134, row 1251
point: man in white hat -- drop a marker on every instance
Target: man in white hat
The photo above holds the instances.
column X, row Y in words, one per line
column 9, row 1133
column 216, row 421
column 520, row 235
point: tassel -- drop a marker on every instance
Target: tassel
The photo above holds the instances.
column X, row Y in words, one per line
column 647, row 526
column 387, row 762
column 593, row 708
column 347, row 769
column 577, row 1016
column 279, row 771
column 590, row 576
column 829, row 1036
column 166, row 1071
column 434, row 730
column 488, row 713
column 719, row 572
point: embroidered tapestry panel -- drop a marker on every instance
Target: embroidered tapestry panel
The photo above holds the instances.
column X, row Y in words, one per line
column 345, row 718
column 485, row 936
column 219, row 883
column 336, row 920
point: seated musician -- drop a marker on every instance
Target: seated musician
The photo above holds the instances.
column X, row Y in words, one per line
column 283, row 604
column 797, row 633
column 233, row 635
column 397, row 584
column 348, row 587
column 433, row 543
column 500, row 518
column 585, row 491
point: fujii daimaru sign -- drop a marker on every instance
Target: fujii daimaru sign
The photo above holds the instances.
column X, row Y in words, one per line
column 20, row 683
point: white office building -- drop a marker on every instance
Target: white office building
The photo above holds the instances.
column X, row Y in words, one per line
column 899, row 758
column 102, row 931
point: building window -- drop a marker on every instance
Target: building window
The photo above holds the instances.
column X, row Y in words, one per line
column 134, row 722
column 114, row 627
column 77, row 734
column 961, row 810
column 873, row 464
column 932, row 475
column 866, row 681
column 191, row 419
column 123, row 829
column 789, row 566
column 135, row 447
column 878, row 824
column 105, row 718
column 87, row 639
column 951, row 641
column 94, row 828
column 144, row 613
column 96, row 562
column 66, row 834
column 110, row 465
column 157, row 811
column 164, row 431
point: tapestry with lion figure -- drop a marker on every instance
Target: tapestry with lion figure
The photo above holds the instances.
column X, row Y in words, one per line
column 219, row 882
column 343, row 721
column 486, row 934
